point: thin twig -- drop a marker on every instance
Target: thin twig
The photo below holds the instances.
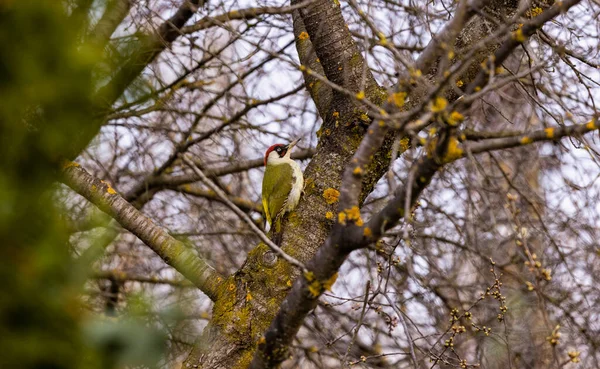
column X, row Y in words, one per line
column 359, row 324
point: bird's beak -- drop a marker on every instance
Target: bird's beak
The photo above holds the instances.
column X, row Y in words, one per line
column 293, row 143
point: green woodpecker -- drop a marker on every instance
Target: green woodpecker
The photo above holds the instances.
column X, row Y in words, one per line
column 282, row 184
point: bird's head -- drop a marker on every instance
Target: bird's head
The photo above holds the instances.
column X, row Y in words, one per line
column 279, row 151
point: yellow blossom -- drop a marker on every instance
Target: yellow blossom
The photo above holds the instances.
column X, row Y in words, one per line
column 574, row 356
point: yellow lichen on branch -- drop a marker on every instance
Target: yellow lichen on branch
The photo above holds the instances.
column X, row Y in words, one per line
column 329, row 283
column 109, row 189
column 69, row 164
column 331, row 195
column 303, row 36
column 352, row 215
column 534, row 12
column 314, row 286
column 397, row 98
column 526, row 140
column 404, row 144
column 455, row 118
column 518, row 35
column 438, row 105
column 342, row 218
column 454, row 151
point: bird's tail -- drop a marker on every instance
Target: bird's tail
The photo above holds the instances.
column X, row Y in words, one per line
column 276, row 234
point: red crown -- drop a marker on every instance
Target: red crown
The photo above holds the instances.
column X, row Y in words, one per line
column 269, row 151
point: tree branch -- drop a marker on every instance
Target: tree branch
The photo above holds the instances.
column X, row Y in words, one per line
column 150, row 48
column 173, row 252
column 240, row 202
column 547, row 134
column 115, row 12
column 241, row 14
column 333, row 44
column 120, row 276
column 517, row 38
column 321, row 93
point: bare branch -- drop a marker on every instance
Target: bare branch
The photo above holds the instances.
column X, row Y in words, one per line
column 339, row 56
column 241, row 14
column 120, row 276
column 542, row 135
column 172, row 251
column 154, row 45
column 116, row 11
column 517, row 38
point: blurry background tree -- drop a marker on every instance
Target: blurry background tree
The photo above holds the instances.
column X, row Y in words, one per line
column 451, row 215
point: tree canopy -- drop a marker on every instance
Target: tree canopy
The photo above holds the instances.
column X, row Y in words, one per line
column 450, row 216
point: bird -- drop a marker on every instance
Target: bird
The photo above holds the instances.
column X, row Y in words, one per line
column 282, row 186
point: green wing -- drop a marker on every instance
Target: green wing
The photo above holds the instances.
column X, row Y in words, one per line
column 278, row 187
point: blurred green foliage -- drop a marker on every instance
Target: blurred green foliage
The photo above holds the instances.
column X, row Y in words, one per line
column 47, row 114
